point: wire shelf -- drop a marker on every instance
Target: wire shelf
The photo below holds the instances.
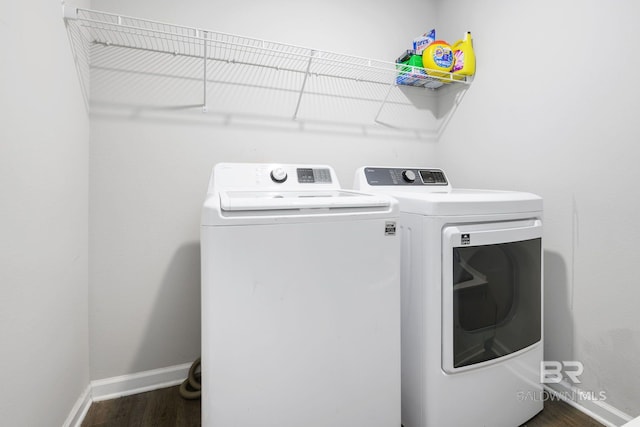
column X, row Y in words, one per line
column 211, row 58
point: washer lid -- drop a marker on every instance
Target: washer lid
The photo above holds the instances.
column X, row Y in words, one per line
column 278, row 200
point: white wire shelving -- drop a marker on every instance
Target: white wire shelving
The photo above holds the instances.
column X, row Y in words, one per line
column 127, row 48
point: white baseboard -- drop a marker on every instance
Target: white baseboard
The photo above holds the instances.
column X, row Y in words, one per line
column 125, row 385
column 592, row 404
column 79, row 410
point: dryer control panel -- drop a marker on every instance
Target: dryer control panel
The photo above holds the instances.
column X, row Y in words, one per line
column 405, row 176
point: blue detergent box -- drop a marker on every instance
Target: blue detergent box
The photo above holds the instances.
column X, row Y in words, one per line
column 420, row 43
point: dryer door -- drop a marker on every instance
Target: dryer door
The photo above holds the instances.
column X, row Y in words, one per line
column 492, row 292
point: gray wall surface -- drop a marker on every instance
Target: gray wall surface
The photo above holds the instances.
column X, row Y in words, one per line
column 44, row 145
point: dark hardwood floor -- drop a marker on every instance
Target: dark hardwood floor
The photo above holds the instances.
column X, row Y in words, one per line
column 159, row 408
column 559, row 414
column 166, row 408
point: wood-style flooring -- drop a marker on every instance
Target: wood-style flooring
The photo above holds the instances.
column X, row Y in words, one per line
column 159, row 408
column 559, row 414
column 166, row 408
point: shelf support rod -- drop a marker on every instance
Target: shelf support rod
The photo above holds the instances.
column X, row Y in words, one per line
column 384, row 101
column 204, row 78
column 304, row 82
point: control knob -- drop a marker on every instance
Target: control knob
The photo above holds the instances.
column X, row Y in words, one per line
column 279, row 175
column 409, row 175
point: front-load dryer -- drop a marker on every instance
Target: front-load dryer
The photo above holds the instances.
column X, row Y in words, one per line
column 300, row 300
column 471, row 286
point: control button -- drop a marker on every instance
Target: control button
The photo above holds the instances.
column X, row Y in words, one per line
column 279, row 175
column 409, row 175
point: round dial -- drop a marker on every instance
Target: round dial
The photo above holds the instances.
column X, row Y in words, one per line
column 279, row 175
column 409, row 175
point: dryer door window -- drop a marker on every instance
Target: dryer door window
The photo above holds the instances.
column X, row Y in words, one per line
column 491, row 294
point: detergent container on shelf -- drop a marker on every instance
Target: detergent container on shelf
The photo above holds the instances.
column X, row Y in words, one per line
column 437, row 58
column 464, row 59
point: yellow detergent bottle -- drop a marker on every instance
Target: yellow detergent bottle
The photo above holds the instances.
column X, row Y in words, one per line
column 437, row 58
column 464, row 59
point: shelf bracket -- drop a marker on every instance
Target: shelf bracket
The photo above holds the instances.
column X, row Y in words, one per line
column 204, row 77
column 304, row 82
column 384, row 101
column 69, row 12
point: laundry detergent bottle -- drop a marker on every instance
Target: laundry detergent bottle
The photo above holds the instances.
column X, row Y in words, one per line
column 464, row 59
column 437, row 58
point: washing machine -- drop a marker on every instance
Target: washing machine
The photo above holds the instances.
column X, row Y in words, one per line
column 300, row 300
column 471, row 299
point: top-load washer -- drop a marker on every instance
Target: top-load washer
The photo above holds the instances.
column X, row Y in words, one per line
column 471, row 299
column 300, row 300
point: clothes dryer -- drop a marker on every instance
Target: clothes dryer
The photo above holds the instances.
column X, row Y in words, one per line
column 300, row 300
column 471, row 299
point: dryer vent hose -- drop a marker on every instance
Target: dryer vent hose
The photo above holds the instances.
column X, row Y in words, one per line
column 190, row 388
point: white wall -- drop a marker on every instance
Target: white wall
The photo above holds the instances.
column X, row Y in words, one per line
column 44, row 141
column 150, row 167
column 553, row 110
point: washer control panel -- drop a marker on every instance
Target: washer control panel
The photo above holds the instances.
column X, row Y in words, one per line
column 305, row 175
column 405, row 176
column 272, row 177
